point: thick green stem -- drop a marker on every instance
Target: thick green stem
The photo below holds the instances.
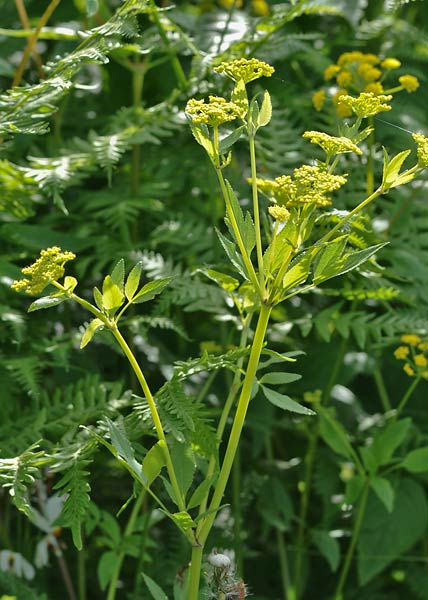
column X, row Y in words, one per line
column 111, row 595
column 195, row 573
column 238, row 422
column 256, row 214
column 354, row 539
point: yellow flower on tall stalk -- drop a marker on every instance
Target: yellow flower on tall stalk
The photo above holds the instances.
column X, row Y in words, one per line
column 47, row 268
column 415, row 354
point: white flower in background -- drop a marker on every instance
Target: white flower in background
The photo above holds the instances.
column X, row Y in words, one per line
column 15, row 563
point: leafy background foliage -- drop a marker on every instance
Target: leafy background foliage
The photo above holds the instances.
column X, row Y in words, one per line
column 97, row 157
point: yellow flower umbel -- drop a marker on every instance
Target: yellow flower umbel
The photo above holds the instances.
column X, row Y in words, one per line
column 246, row 69
column 422, row 142
column 49, row 267
column 310, row 185
column 367, row 104
column 215, row 112
column 356, row 72
column 414, row 352
column 331, row 144
column 318, row 100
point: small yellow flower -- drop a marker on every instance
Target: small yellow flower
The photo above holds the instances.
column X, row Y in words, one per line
column 247, row 69
column 409, row 82
column 411, row 339
column 47, row 268
column 349, row 57
column 408, row 369
column 366, row 104
column 422, row 142
column 279, row 213
column 402, row 352
column 318, row 100
column 390, row 63
column 420, row 360
column 331, row 71
column 375, row 88
column 330, row 143
column 230, row 3
column 424, row 374
column 215, row 112
column 260, row 8
column 423, row 346
column 371, row 59
column 341, row 109
column 344, row 78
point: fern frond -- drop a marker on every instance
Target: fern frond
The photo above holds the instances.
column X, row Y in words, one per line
column 18, row 474
column 26, row 370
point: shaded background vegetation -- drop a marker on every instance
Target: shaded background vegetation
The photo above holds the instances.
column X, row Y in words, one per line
column 118, row 174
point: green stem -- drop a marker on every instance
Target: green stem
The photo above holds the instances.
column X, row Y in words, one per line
column 247, row 261
column 195, row 573
column 303, row 514
column 370, row 159
column 238, row 423
column 237, row 513
column 381, row 388
column 81, row 574
column 233, row 390
column 178, row 69
column 137, row 94
column 154, row 412
column 354, row 539
column 256, row 214
column 283, row 565
column 111, row 595
column 406, row 397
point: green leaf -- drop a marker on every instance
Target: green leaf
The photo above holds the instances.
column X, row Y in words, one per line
column 156, row 592
column 202, row 136
column 328, row 547
column 118, row 274
column 416, row 461
column 230, row 139
column 384, row 491
column 228, row 283
column 133, row 281
column 200, row 492
column 245, row 226
column 124, row 449
column 354, row 487
column 285, row 402
column 98, row 298
column 70, row 283
column 253, row 116
column 184, row 465
column 239, row 97
column 334, row 434
column 112, row 294
column 183, row 520
column 106, row 567
column 386, row 442
column 90, row 331
column 265, row 114
column 151, row 289
column 279, row 378
column 391, row 170
column 298, row 271
column 46, row 302
column 330, row 255
column 348, row 263
column 154, row 461
column 235, row 258
column 386, row 536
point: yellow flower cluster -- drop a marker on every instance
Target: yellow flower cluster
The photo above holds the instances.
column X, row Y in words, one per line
column 331, row 144
column 49, row 267
column 215, row 112
column 366, row 104
column 356, row 72
column 422, row 142
column 310, row 185
column 246, row 69
column 279, row 213
column 415, row 355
